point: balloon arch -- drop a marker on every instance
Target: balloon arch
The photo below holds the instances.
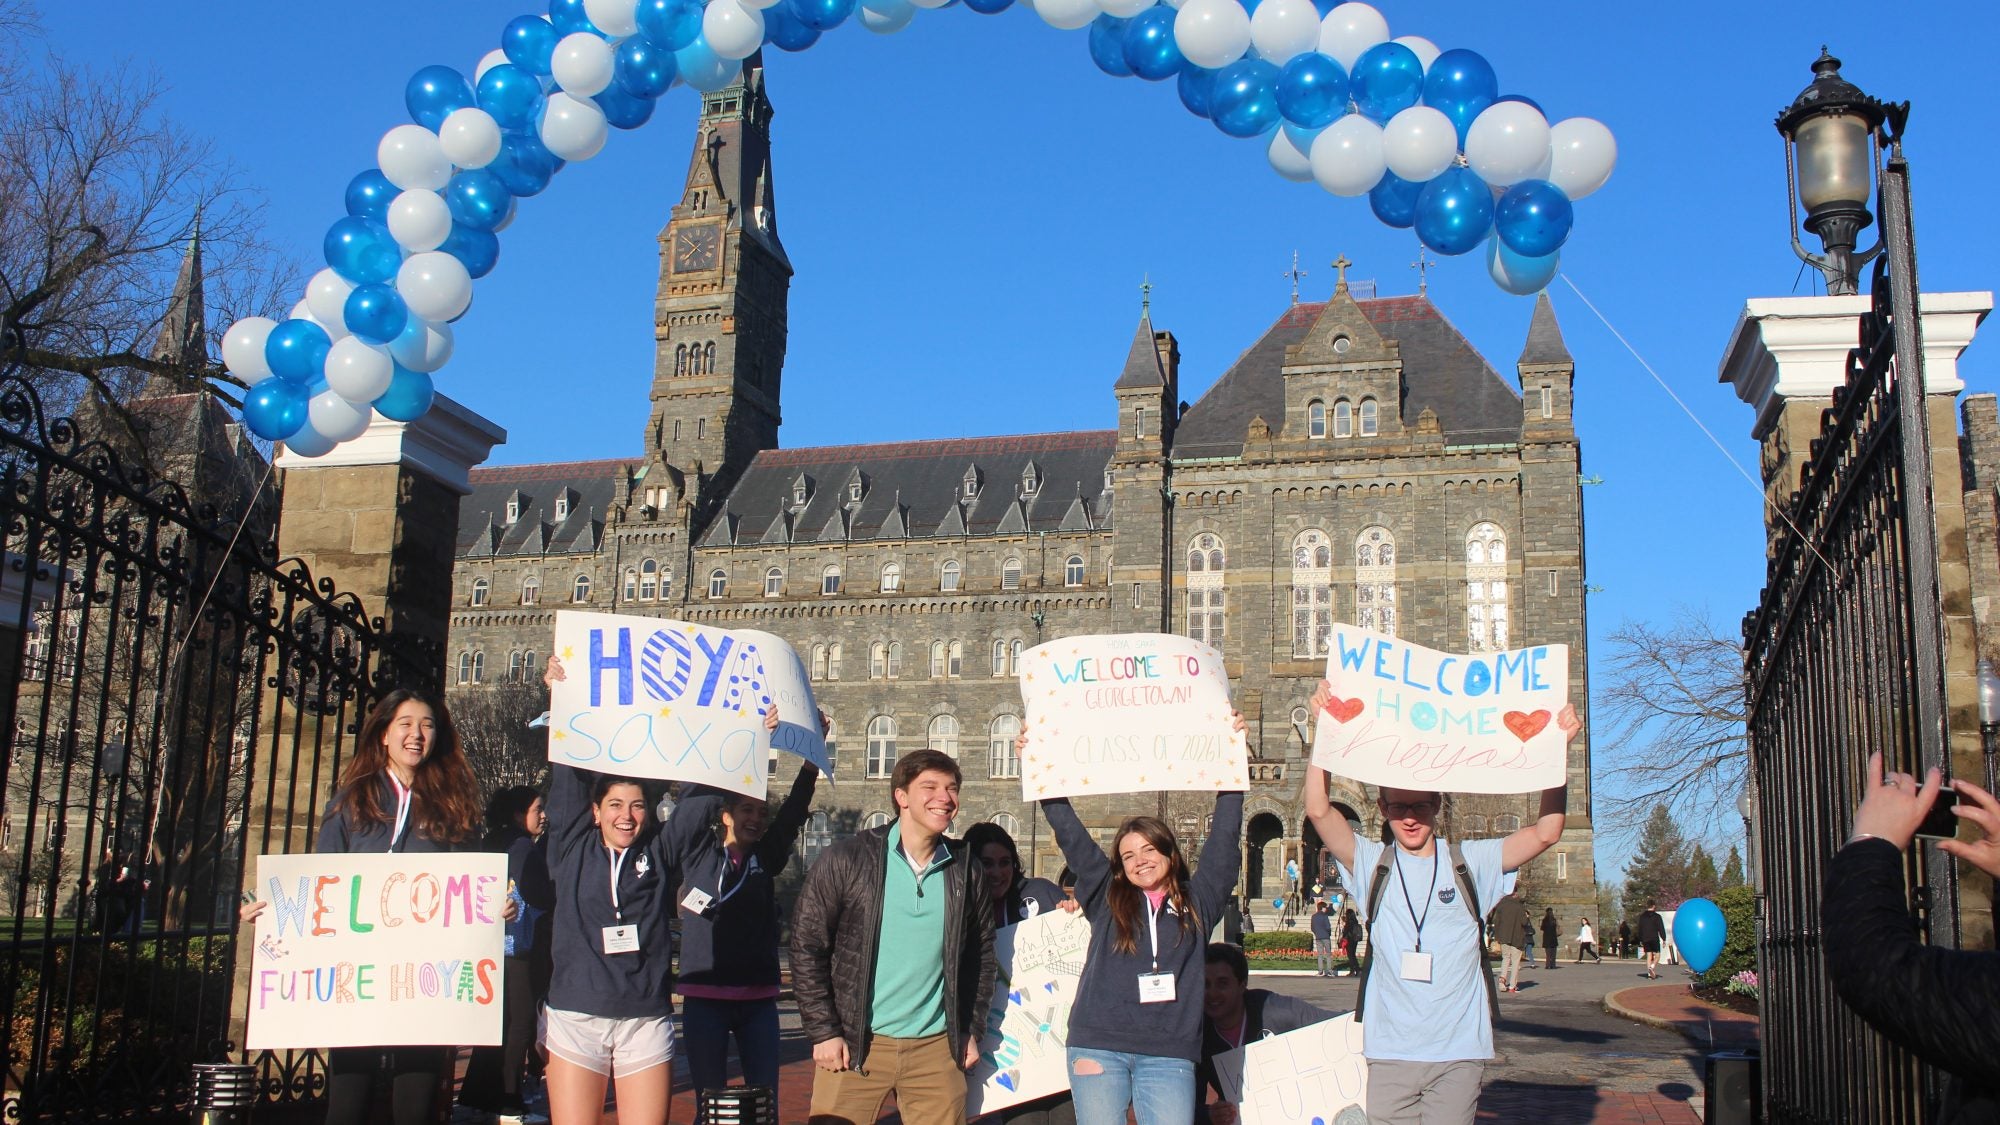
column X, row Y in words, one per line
column 1425, row 134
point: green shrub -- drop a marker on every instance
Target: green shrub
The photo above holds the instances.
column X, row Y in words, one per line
column 1739, row 943
column 1277, row 940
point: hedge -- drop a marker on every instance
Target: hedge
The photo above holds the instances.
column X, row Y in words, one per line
column 1275, row 940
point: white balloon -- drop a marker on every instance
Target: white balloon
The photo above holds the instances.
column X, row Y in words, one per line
column 1507, row 143
column 1426, row 51
column 1124, row 9
column 357, row 370
column 337, row 419
column 326, row 297
column 243, row 349
column 1067, row 14
column 470, row 137
column 1585, row 152
column 419, row 220
column 1282, row 29
column 732, row 30
column 434, row 285
column 616, row 18
column 424, row 346
column 334, row 329
column 1347, row 158
column 1211, row 33
column 582, row 64
column 1286, row 157
column 885, row 16
column 1419, row 143
column 573, row 127
column 308, row 442
column 487, row 62
column 1349, row 29
column 411, row 157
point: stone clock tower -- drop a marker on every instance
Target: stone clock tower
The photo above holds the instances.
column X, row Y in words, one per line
column 720, row 311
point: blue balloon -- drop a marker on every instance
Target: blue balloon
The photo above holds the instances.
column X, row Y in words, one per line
column 369, row 195
column 1150, row 49
column 702, row 68
column 625, row 111
column 296, row 351
column 642, row 69
column 1107, row 45
column 1196, row 84
column 524, row 164
column 529, row 42
column 1460, row 84
column 1301, row 137
column 1533, row 218
column 274, row 409
column 1312, row 91
column 1519, row 275
column 478, row 199
column 1699, row 930
column 1278, row 904
column 1454, row 212
column 569, row 18
column 376, row 313
column 673, row 24
column 409, row 395
column 784, row 29
column 1388, row 79
column 433, row 93
column 826, row 15
column 1394, row 200
column 479, row 250
column 1244, row 101
column 1325, row 6
column 362, row 250
column 989, row 7
column 512, row 96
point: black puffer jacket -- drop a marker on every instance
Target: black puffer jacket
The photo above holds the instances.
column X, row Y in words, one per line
column 837, row 925
column 1937, row 1003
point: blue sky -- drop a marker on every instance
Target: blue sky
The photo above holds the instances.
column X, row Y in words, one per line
column 971, row 206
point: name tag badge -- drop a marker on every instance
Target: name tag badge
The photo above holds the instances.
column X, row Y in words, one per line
column 621, row 939
column 1156, row 988
column 697, row 900
column 1417, row 967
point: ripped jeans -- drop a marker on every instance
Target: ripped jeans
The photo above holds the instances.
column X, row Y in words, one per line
column 1160, row 1089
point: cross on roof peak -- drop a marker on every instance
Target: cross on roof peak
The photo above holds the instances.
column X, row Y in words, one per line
column 1145, row 294
column 1295, row 273
column 1341, row 263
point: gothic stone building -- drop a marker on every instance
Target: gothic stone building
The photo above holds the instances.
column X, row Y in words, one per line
column 1359, row 462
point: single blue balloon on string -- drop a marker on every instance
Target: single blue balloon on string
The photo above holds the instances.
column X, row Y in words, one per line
column 376, row 313
column 1699, row 930
column 1454, row 212
column 525, row 164
column 623, row 110
column 1388, row 79
column 1107, row 45
column 362, row 250
column 409, row 395
column 569, row 17
column 1312, row 90
column 1394, row 200
column 296, row 351
column 433, row 92
column 369, row 195
column 673, row 24
column 1150, row 49
column 274, row 409
column 512, row 96
column 989, row 7
column 1533, row 218
column 1244, row 101
column 784, row 29
column 1195, row 86
column 642, row 68
column 1521, row 276
column 478, row 199
column 529, row 42
column 1460, row 84
column 477, row 250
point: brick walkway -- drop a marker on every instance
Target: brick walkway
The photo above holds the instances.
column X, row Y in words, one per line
column 1673, row 1007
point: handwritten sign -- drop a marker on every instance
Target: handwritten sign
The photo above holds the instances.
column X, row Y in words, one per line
column 1128, row 713
column 1410, row 717
column 1313, row 1076
column 1022, row 1053
column 788, row 684
column 356, row 947
column 647, row 697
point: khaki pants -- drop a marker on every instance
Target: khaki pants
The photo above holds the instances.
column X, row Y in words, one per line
column 929, row 1086
column 1510, row 967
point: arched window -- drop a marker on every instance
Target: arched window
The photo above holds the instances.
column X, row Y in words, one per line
column 818, row 834
column 718, row 583
column 649, row 580
column 1073, row 571
column 681, row 360
column 1375, row 580
column 878, row 660
column 514, row 667
column 1014, row 657
column 937, row 660
column 529, row 669
column 1368, row 419
column 829, row 579
column 1207, row 600
column 580, row 591
column 478, row 667
column 1343, row 419
column 948, row 577
column 631, row 584
column 1486, row 588
column 875, row 819
column 1315, row 419
column 1475, row 827
column 954, row 666
column 943, row 736
column 531, row 590
column 881, row 746
column 1010, row 574
column 666, row 583
column 1007, row 823
column 1001, row 760
column 1507, row 825
column 479, row 588
column 892, row 577
column 774, row 582
column 1312, row 593
column 833, row 661
column 708, row 358
column 819, row 662
column 895, row 659
column 465, row 667
column 999, row 657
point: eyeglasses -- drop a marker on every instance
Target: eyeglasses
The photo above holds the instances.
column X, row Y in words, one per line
column 1397, row 810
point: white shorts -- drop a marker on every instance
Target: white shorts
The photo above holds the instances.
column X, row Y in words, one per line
column 607, row 1046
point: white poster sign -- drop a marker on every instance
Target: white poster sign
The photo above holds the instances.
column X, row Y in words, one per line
column 1411, row 717
column 354, row 948
column 1022, row 1055
column 1128, row 713
column 787, row 682
column 1313, row 1076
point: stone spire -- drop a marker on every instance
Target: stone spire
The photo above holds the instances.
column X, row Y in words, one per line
column 183, row 338
column 1142, row 364
column 1545, row 338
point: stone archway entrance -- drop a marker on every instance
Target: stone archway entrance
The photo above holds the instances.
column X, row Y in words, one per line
column 1264, row 852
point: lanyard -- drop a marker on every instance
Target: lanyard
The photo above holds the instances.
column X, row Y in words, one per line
column 402, row 810
column 749, row 864
column 1153, row 928
column 1242, row 1026
column 1414, row 917
column 617, row 864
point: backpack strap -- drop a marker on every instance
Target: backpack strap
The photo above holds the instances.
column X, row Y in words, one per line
column 1377, row 883
column 1463, row 876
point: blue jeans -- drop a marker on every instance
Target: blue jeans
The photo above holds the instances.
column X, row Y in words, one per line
column 1159, row 1089
column 706, row 1026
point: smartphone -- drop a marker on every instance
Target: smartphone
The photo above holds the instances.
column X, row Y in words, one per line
column 1941, row 823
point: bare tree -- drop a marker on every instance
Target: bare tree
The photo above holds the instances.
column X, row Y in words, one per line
column 1674, row 704
column 492, row 724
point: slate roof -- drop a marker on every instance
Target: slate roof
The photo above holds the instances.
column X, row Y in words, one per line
column 1545, row 337
column 914, row 489
column 594, row 486
column 1441, row 370
column 1142, row 364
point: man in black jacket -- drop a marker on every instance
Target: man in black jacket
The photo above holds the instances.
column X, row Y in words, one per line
column 1652, row 934
column 892, row 959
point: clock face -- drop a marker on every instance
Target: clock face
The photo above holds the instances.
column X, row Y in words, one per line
column 695, row 249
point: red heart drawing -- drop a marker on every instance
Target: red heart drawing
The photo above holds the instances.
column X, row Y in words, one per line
column 1344, row 709
column 1526, row 726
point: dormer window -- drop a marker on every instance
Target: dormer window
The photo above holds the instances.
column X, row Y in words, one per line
column 801, row 490
column 513, row 509
column 562, row 505
column 854, row 492
column 1031, row 480
column 969, row 486
column 1107, row 480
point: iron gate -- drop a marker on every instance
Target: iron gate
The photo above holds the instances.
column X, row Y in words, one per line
column 160, row 672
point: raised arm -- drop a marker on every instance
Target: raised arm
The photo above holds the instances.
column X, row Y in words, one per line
column 783, row 831
column 1086, row 860
column 1517, row 849
column 1333, row 829
column 1221, row 854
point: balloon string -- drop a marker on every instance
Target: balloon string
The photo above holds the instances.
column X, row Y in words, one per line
column 1754, row 483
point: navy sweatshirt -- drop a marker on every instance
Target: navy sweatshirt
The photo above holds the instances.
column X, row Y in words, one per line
column 344, row 833
column 1107, row 1015
column 587, row 979
column 736, row 943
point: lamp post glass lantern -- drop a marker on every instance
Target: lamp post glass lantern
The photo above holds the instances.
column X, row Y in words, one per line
column 1831, row 140
column 1989, row 719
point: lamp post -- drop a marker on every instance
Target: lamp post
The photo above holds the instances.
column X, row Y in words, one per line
column 1830, row 153
column 1746, row 806
column 1989, row 718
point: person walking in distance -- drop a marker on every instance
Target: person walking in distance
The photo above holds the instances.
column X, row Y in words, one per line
column 1322, row 931
column 1350, row 941
column 892, row 958
column 1510, row 929
column 1551, row 934
column 1586, row 941
column 1624, row 940
column 1652, row 935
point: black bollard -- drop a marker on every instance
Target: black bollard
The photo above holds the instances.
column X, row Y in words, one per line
column 737, row 1105
column 224, row 1093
